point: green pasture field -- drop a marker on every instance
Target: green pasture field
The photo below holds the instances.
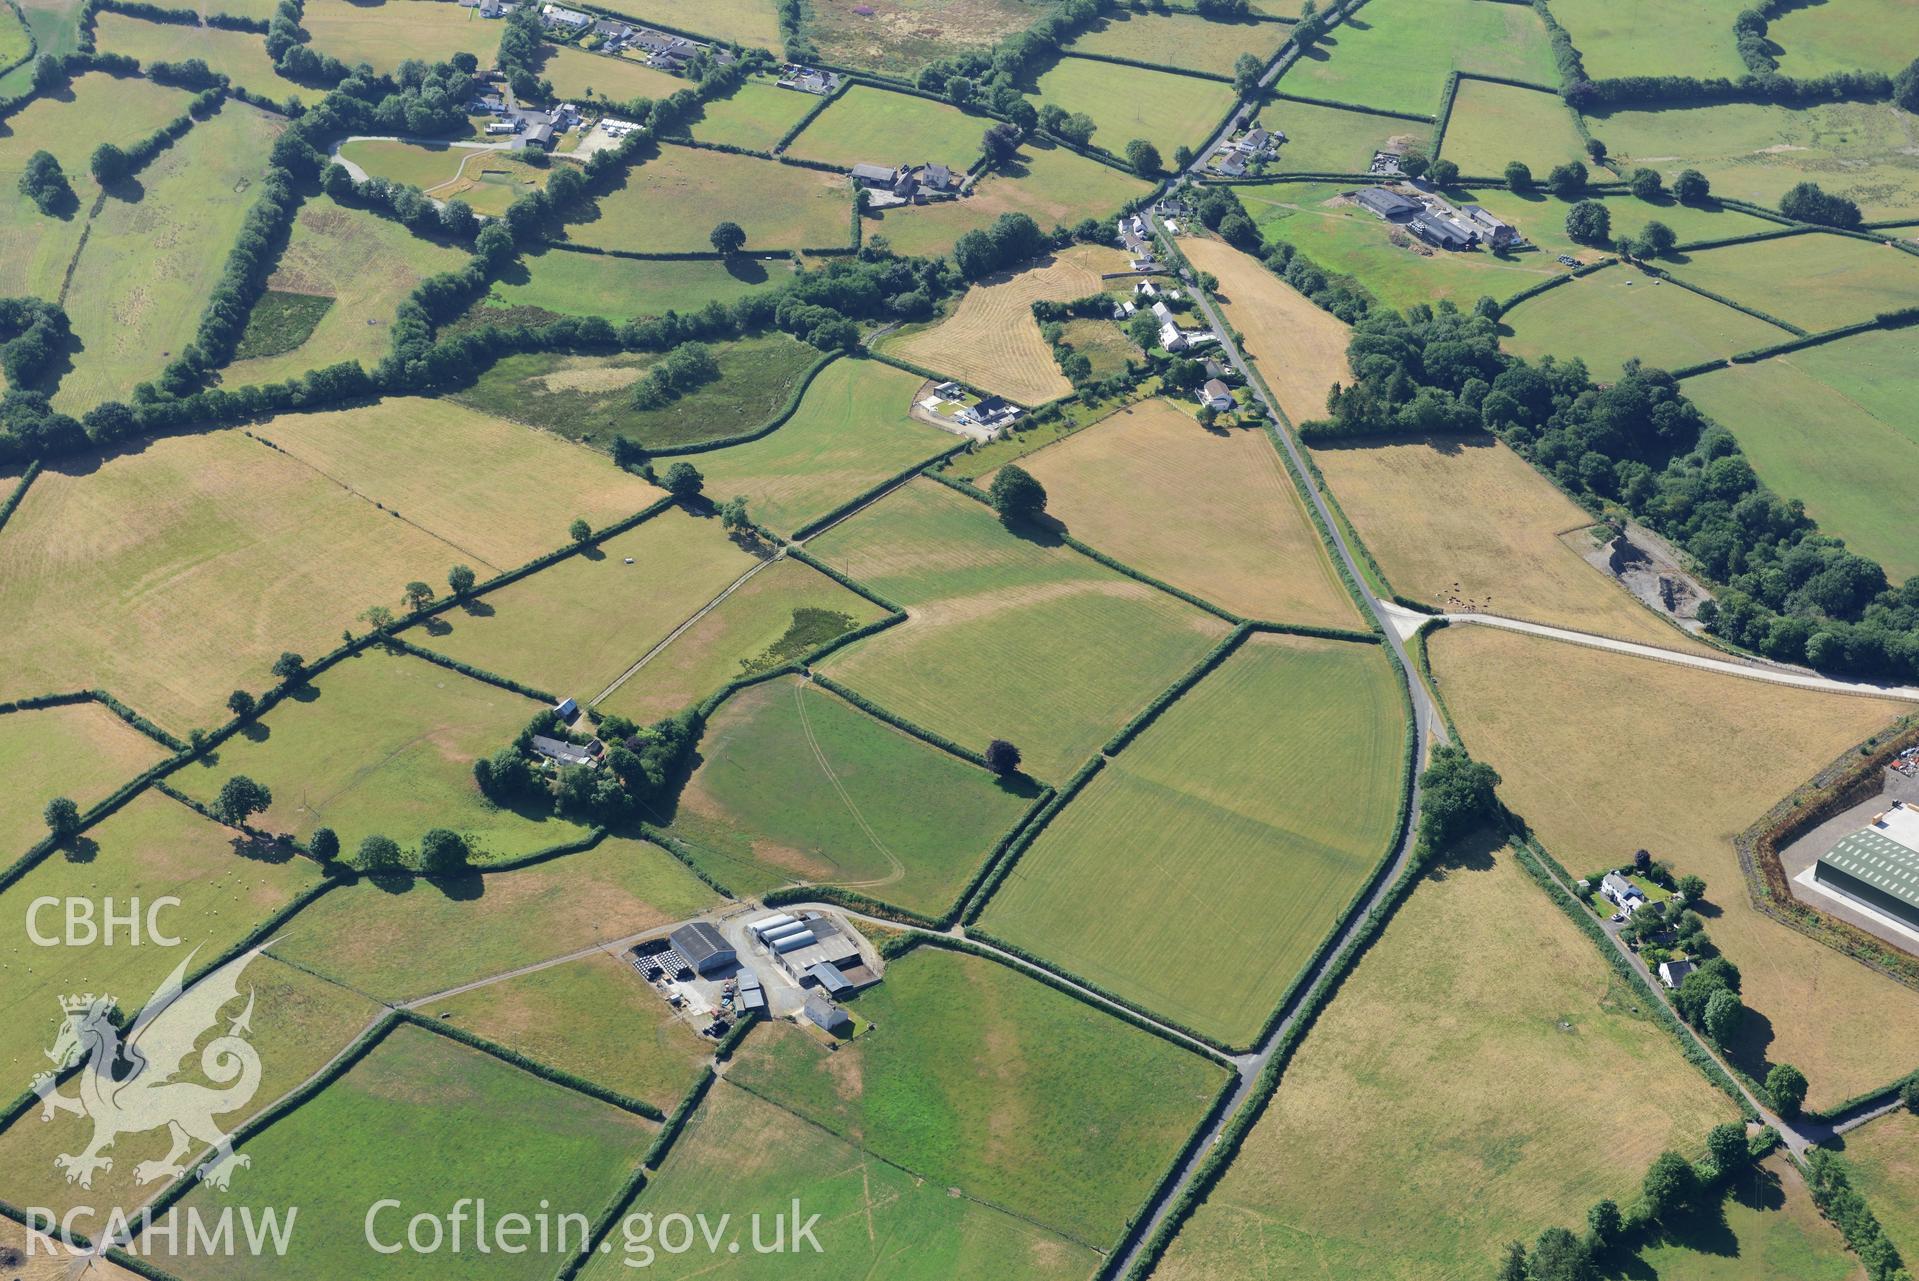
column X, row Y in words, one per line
column 1396, row 54
column 299, row 1023
column 461, row 477
column 671, row 204
column 1180, row 40
column 151, row 847
column 192, row 201
column 1167, row 110
column 259, row 9
column 1865, row 151
column 779, row 614
column 979, row 1078
column 1816, row 282
column 576, row 73
column 753, row 23
column 487, row 179
column 1104, row 344
column 1440, row 1109
column 555, row 282
column 56, row 29
column 1768, row 1227
column 367, row 265
column 279, row 322
column 386, row 33
column 1278, row 775
column 1641, row 38
column 1009, row 637
column 1494, row 124
column 1614, row 314
column 796, row 785
column 589, row 398
column 1835, row 427
column 1883, row 1159
column 868, row 125
column 1841, row 35
column 15, row 41
column 384, row 743
column 596, row 1018
column 1331, row 140
column 481, row 925
column 850, row 432
column 81, row 751
column 418, row 1116
column 899, row 37
column 876, row 1220
column 240, row 56
column 574, row 627
column 756, row 115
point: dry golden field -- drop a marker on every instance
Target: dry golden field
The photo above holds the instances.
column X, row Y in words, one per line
column 1605, row 754
column 1211, row 511
column 81, row 751
column 991, row 340
column 1300, row 350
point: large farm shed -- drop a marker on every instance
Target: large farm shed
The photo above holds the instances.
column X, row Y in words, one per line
column 1878, row 865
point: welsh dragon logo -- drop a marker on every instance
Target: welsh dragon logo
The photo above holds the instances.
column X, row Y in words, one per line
column 127, row 1084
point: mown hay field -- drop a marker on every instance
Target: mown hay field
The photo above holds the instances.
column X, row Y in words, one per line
column 1704, row 756
column 876, row 1219
column 1180, row 40
column 177, row 573
column 461, row 476
column 770, row 620
column 851, row 432
column 1299, row 349
column 1106, row 347
column 1213, row 512
column 865, row 125
column 991, row 339
column 57, row 1265
column 1441, row 1107
column 594, row 1017
column 1768, row 1227
column 1613, row 315
column 899, row 37
column 386, row 33
column 151, row 847
column 574, row 284
column 1166, row 109
column 756, row 115
column 576, row 73
column 1465, row 523
column 80, row 751
column 753, row 23
column 573, row 627
column 480, row 925
column 978, row 1078
column 1846, row 35
column 797, row 785
column 367, row 265
column 1006, row 636
column 1494, row 124
column 384, row 744
column 486, row 178
column 1233, row 832
column 671, row 203
column 240, row 56
column 1640, row 38
column 418, row 1114
column 1816, row 282
column 1884, row 1161
column 1834, row 426
column 1398, row 54
column 1331, row 140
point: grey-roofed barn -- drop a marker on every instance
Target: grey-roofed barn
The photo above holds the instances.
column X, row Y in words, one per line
column 702, row 947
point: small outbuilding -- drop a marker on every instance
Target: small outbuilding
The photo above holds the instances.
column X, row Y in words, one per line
column 827, row 1016
column 703, row 947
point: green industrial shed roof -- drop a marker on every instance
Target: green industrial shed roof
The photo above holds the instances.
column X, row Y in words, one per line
column 1880, row 862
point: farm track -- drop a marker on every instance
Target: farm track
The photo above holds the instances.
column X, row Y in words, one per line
column 675, row 634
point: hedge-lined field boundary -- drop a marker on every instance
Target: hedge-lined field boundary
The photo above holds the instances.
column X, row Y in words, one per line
column 767, row 428
column 812, row 113
column 12, row 501
column 1144, row 65
column 533, row 1067
column 670, row 1129
column 1024, row 836
column 1660, row 273
column 1387, row 112
column 438, row 659
column 897, row 721
column 1531, row 292
column 821, row 524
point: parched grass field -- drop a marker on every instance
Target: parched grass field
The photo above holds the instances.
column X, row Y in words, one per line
column 1165, row 109
column 976, row 1077
column 1865, row 151
column 594, row 1017
column 1300, row 350
column 1440, row 1109
column 576, row 73
column 573, row 627
column 571, row 284
column 1397, row 53
column 1180, row 40
column 240, row 56
column 1613, row 315
column 81, row 751
column 151, row 847
column 755, row 115
column 367, row 265
column 673, row 201
column 1641, row 38
column 797, row 785
column 1834, row 426
column 851, row 432
column 1007, row 637
column 991, row 339
column 386, row 33
column 1105, row 346
column 174, row 574
column 1884, row 1161
column 748, row 625
column 299, row 1023
column 384, row 743
column 1275, row 781
column 1494, row 124
column 1330, row 140
column 419, row 1115
column 1551, row 719
column 60, row 1265
column 1486, row 534
column 753, row 23
column 590, row 398
column 1768, row 1227
column 1841, row 35
column 901, row 36
column 875, row 1219
column 869, row 125
column 460, row 476
column 404, row 940
column 1213, row 512
column 487, row 179
column 1816, row 282
column 191, row 202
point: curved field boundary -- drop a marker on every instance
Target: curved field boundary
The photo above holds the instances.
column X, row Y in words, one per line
column 766, row 429
column 33, row 41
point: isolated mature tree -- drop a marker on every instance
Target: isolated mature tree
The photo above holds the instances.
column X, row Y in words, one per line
column 1414, row 165
column 1691, row 187
column 1589, row 223
column 460, row 579
column 579, row 531
column 443, row 853
column 1596, row 149
column 1656, row 240
column 289, row 666
column 1444, row 173
column 1558, row 1255
column 376, row 854
column 1247, row 69
column 1016, row 495
column 1669, row 1185
column 733, row 515
column 1786, row 1087
column 1519, row 178
column 1726, row 1145
column 1567, row 180
column 1000, row 142
column 417, row 595
column 683, row 480
column 242, row 704
column 324, row 843
column 1183, row 158
column 109, row 164
column 728, row 237
column 1723, row 1016
column 1143, row 156
column 1603, row 1223
column 44, row 183
column 63, row 817
column 1456, row 795
column 1646, row 184
column 1002, row 757
column 378, row 617
column 241, row 798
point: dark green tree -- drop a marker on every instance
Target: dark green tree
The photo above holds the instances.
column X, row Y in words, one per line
column 1691, row 187
column 376, row 854
column 1558, row 1255
column 1567, row 180
column 1723, row 1016
column 1909, row 1092
column 1182, row 158
column 1603, row 1223
column 1726, row 1145
column 241, row 798
column 1247, row 69
column 1646, row 184
column 460, row 579
column 1414, row 165
column 1002, row 757
column 1589, row 222
column 1444, row 173
column 1786, row 1087
column 109, row 164
column 417, row 595
column 1597, row 150
column 63, row 817
column 325, row 843
column 1143, row 156
column 443, row 853
column 241, row 704
column 728, row 238
column 1669, row 1186
column 44, row 183
column 1513, row 1266
column 1017, row 497
column 683, row 480
column 1905, row 88
column 1519, row 178
column 1456, row 795
column 579, row 531
column 1656, row 240
column 1692, row 888
column 289, row 667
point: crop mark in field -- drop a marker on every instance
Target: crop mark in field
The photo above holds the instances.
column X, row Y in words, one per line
column 806, row 727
